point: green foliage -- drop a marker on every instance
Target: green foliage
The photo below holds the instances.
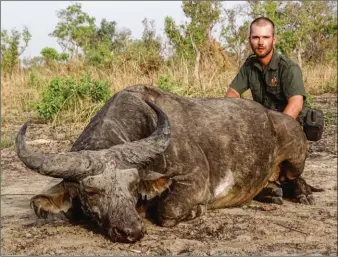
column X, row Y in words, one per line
column 167, row 83
column 67, row 93
column 63, row 57
column 99, row 91
column 74, row 30
column 235, row 35
column 33, row 80
column 150, row 58
column 330, row 86
column 330, row 119
column 51, row 56
column 49, row 53
column 100, row 55
column 77, row 33
column 6, row 143
column 12, row 48
column 308, row 101
column 98, row 52
column 144, row 53
column 192, row 37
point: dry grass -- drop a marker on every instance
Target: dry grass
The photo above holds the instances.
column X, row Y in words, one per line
column 22, row 89
column 320, row 79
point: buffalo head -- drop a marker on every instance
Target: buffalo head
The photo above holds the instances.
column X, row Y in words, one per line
column 107, row 182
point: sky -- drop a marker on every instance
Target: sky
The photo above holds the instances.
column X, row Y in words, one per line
column 40, row 17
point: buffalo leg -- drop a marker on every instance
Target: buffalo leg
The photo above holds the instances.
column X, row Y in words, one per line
column 58, row 198
column 185, row 200
column 293, row 185
column 299, row 190
column 272, row 193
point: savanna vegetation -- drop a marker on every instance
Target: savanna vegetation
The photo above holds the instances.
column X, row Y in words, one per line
column 190, row 59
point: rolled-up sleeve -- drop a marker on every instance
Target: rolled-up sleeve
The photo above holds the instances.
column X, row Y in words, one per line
column 293, row 82
column 241, row 82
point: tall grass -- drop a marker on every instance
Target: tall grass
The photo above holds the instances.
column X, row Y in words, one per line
column 20, row 91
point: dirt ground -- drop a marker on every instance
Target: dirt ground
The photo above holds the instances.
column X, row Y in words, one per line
column 253, row 229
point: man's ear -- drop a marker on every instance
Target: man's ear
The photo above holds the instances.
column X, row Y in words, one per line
column 274, row 40
column 153, row 184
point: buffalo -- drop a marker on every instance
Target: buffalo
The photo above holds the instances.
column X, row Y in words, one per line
column 174, row 156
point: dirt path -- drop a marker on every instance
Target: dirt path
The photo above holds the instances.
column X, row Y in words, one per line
column 254, row 229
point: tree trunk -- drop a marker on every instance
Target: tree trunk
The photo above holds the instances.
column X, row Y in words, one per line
column 299, row 55
column 197, row 64
column 299, row 58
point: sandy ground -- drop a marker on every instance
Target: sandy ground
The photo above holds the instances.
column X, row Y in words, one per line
column 254, row 229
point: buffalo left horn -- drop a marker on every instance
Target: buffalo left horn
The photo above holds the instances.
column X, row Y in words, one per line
column 80, row 164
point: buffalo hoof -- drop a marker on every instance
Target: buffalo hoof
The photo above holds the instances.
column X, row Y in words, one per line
column 167, row 223
column 299, row 190
column 270, row 194
column 270, row 199
column 196, row 211
column 306, row 199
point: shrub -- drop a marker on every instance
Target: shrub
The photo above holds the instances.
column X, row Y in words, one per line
column 167, row 83
column 308, row 101
column 68, row 93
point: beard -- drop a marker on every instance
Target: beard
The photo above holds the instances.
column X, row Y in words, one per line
column 261, row 54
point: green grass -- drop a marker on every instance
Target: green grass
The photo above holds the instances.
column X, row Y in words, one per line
column 6, row 143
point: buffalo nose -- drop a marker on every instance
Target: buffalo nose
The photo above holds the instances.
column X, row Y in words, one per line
column 134, row 233
column 126, row 235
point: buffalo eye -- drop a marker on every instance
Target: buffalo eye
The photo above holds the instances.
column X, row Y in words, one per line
column 92, row 191
column 133, row 186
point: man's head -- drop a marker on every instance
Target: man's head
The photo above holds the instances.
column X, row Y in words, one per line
column 262, row 36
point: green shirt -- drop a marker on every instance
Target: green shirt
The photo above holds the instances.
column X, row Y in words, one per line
column 272, row 86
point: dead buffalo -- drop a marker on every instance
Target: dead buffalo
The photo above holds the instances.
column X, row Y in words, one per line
column 214, row 153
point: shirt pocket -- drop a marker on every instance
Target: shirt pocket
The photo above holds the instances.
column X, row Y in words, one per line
column 256, row 91
column 273, row 86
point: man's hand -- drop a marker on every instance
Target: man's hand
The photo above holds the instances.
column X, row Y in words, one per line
column 294, row 106
column 232, row 93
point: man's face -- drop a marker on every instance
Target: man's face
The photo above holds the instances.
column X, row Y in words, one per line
column 262, row 39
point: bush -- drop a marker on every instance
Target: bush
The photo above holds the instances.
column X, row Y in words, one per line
column 166, row 83
column 49, row 53
column 308, row 101
column 330, row 86
column 68, row 93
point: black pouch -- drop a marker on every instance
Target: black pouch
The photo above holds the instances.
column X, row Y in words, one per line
column 313, row 124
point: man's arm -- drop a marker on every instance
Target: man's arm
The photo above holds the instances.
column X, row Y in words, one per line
column 239, row 84
column 294, row 90
column 232, row 93
column 294, row 106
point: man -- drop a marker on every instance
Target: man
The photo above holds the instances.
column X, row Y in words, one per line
column 274, row 80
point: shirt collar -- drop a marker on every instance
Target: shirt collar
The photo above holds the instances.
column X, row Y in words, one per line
column 273, row 65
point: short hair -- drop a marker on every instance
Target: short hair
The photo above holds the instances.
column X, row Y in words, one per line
column 261, row 21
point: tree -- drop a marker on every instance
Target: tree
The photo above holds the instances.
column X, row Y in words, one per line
column 75, row 29
column 151, row 59
column 99, row 51
column 192, row 39
column 12, row 48
column 51, row 56
column 314, row 36
column 234, row 35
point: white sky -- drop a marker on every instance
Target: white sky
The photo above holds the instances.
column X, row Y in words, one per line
column 40, row 17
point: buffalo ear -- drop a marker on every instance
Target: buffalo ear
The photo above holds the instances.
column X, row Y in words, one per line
column 153, row 184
